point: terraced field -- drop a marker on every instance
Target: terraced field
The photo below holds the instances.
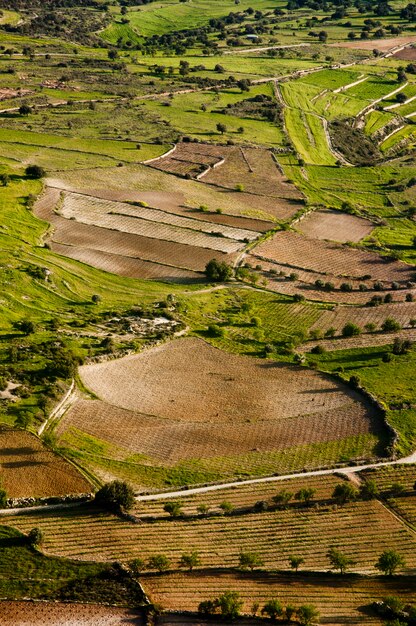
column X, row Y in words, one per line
column 339, row 601
column 362, row 530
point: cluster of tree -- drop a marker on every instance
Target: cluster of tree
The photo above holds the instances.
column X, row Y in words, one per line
column 261, row 107
column 218, row 271
column 161, row 563
column 388, row 562
column 229, row 605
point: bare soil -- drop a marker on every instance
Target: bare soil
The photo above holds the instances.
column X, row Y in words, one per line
column 31, row 613
column 335, row 226
column 29, row 469
column 408, row 54
column 384, row 45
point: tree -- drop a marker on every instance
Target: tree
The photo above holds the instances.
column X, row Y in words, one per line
column 250, row 560
column 35, row 537
column 190, row 560
column 159, row 562
column 25, row 109
column 401, row 97
column 339, row 560
column 115, row 496
column 390, row 325
column 137, row 566
column 344, row 492
column 227, row 507
column 273, row 609
column 389, row 562
column 3, row 498
column 350, row 330
column 173, row 508
column 305, row 495
column 295, row 562
column 35, row 171
column 230, row 604
column 221, row 128
column 283, row 498
column 218, row 271
column 95, row 298
column 4, row 179
column 369, row 490
column 307, row 615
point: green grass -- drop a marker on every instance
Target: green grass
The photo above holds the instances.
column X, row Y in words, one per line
column 168, row 15
column 27, row 573
column 57, row 152
column 398, row 235
column 308, row 137
column 184, row 113
column 402, row 134
column 375, row 120
column 392, row 383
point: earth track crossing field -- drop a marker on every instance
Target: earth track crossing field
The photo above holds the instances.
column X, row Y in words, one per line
column 29, row 469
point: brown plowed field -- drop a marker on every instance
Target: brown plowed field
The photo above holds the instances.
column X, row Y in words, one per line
column 408, row 54
column 304, row 284
column 341, row 315
column 384, row 45
column 126, row 266
column 127, row 254
column 29, row 469
column 170, row 442
column 335, row 226
column 55, row 614
column 339, row 600
column 190, row 381
column 92, row 238
column 362, row 530
column 331, row 259
column 170, row 193
column 362, row 341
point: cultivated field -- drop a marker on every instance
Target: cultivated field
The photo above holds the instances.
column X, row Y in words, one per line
column 403, row 312
column 339, row 601
column 335, row 226
column 197, row 414
column 29, row 469
column 255, row 169
column 207, row 385
column 404, row 502
column 40, row 613
column 362, row 530
column 299, row 252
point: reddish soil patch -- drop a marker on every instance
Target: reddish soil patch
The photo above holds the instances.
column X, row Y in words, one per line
column 32, row 613
column 408, row 54
column 335, row 226
column 380, row 44
column 29, row 469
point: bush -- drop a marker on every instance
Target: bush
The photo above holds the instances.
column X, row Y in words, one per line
column 35, row 537
column 351, row 330
column 115, row 496
column 35, row 171
column 218, row 271
column 390, row 325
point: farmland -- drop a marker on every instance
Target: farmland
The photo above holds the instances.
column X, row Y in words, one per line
column 207, row 262
column 176, row 430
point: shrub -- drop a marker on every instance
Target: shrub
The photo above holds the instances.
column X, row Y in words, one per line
column 390, row 325
column 35, row 537
column 115, row 496
column 218, row 271
column 351, row 330
column 35, row 171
